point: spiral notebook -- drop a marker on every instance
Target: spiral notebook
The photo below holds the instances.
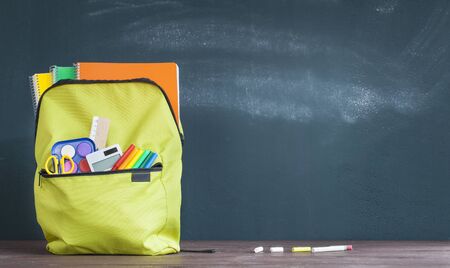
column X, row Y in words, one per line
column 39, row 83
column 63, row 72
column 165, row 74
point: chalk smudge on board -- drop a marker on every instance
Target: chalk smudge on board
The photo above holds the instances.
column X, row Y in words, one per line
column 219, row 35
column 351, row 99
column 298, row 97
column 387, row 7
column 339, row 88
column 117, row 6
column 428, row 52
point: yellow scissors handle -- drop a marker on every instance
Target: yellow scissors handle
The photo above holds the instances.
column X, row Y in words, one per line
column 55, row 165
column 63, row 167
column 59, row 167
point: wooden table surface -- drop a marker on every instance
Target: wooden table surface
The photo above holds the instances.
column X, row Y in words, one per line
column 239, row 253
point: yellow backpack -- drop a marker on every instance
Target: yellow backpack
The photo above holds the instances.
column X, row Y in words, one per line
column 109, row 212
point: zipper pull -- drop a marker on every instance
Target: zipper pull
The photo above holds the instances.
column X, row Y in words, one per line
column 139, row 177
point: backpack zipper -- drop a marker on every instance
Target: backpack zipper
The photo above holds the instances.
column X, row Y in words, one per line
column 142, row 80
column 44, row 174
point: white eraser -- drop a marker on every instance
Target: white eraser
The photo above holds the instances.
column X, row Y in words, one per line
column 258, row 249
column 276, row 249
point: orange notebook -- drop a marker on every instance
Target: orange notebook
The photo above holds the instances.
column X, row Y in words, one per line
column 165, row 74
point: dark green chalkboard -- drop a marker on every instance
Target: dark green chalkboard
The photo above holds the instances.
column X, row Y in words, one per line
column 324, row 119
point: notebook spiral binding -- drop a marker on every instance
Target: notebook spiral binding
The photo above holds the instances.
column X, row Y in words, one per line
column 34, row 94
column 54, row 71
column 77, row 70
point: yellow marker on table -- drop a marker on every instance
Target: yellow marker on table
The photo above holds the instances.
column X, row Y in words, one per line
column 134, row 159
column 301, row 249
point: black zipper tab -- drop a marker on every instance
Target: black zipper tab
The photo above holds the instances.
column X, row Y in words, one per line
column 140, row 177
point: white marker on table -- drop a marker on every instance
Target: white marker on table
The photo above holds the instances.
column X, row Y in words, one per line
column 276, row 249
column 258, row 249
column 332, row 248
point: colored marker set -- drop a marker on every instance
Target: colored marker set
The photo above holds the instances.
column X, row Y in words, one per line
column 135, row 158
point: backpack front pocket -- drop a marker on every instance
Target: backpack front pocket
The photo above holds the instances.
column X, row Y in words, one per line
column 103, row 212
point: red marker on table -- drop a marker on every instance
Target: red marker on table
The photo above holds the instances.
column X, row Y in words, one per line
column 123, row 157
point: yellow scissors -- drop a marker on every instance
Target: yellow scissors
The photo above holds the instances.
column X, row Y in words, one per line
column 59, row 167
